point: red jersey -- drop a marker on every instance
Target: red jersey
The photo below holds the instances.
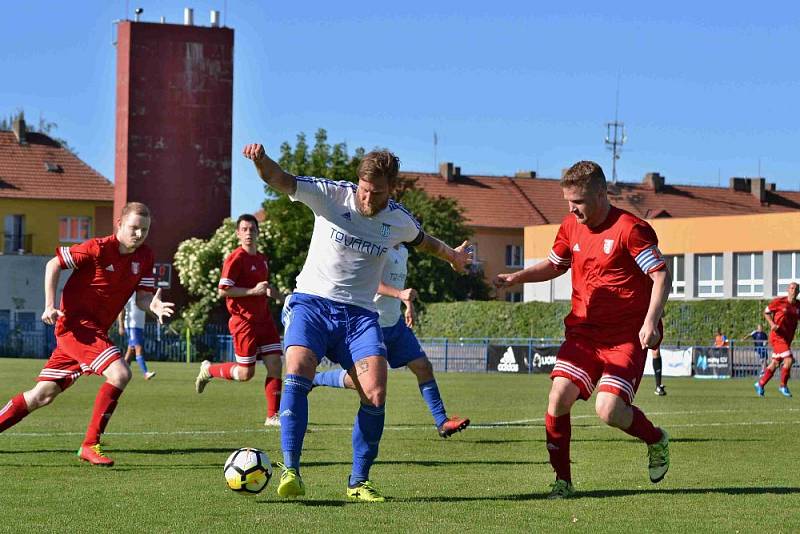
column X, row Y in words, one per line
column 102, row 282
column 610, row 267
column 241, row 269
column 785, row 316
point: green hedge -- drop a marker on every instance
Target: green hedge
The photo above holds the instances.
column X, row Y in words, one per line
column 685, row 322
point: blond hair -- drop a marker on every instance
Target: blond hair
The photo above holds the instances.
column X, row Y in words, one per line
column 584, row 175
column 380, row 163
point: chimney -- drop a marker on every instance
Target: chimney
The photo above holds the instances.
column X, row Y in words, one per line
column 771, row 187
column 20, row 131
column 188, row 16
column 446, row 171
column 739, row 184
column 758, row 188
column 214, row 19
column 525, row 174
column 654, row 181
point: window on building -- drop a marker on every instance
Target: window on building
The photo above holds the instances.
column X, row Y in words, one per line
column 514, row 297
column 513, row 256
column 788, row 270
column 749, row 274
column 675, row 264
column 709, row 275
column 74, row 229
column 14, row 234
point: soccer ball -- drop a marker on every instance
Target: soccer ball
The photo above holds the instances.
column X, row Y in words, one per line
column 247, row 470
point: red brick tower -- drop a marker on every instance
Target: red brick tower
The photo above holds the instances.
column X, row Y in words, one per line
column 174, row 127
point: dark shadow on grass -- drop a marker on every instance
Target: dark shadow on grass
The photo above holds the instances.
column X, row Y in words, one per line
column 604, row 494
column 432, row 463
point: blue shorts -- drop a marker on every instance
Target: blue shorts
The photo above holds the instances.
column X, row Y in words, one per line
column 401, row 344
column 762, row 353
column 135, row 336
column 343, row 332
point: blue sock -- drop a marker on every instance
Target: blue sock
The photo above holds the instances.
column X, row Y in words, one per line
column 367, row 432
column 430, row 392
column 332, row 379
column 142, row 364
column 294, row 418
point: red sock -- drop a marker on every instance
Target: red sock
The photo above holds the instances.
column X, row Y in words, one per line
column 104, row 404
column 785, row 373
column 642, row 428
column 766, row 377
column 222, row 370
column 559, row 434
column 13, row 412
column 272, row 389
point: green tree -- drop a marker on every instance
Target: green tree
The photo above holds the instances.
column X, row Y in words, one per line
column 287, row 227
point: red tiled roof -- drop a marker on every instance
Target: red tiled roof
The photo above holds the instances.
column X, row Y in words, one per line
column 24, row 174
column 505, row 202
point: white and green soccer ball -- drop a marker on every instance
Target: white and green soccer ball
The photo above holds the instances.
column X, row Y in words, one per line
column 247, row 470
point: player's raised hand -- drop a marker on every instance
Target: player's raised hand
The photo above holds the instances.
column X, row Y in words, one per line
column 462, row 256
column 503, row 280
column 254, row 151
column 51, row 315
column 160, row 308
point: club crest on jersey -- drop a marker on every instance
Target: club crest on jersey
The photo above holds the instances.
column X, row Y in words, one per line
column 135, row 267
column 385, row 229
column 608, row 245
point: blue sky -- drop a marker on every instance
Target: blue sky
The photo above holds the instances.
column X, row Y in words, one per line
column 705, row 93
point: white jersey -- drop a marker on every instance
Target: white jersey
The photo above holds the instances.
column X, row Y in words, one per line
column 134, row 315
column 347, row 250
column 394, row 274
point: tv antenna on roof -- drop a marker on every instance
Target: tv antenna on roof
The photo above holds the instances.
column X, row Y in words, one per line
column 615, row 138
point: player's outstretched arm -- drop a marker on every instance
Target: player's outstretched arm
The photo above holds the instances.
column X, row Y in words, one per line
column 269, row 171
column 458, row 257
column 52, row 273
column 649, row 334
column 153, row 303
column 541, row 272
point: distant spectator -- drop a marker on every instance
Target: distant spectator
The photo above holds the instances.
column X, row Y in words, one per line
column 759, row 338
column 720, row 340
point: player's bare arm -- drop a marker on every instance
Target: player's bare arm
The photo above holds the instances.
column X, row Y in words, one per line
column 458, row 257
column 410, row 314
column 121, row 322
column 152, row 302
column 407, row 294
column 771, row 320
column 269, row 171
column 51, row 275
column 261, row 289
column 541, row 272
column 649, row 334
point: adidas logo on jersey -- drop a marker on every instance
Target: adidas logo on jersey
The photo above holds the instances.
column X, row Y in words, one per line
column 576, row 248
column 508, row 363
column 252, row 267
column 347, row 216
column 110, row 268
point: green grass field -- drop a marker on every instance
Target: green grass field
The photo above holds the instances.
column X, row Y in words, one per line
column 733, row 464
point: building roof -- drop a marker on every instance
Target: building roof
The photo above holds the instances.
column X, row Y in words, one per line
column 511, row 202
column 40, row 168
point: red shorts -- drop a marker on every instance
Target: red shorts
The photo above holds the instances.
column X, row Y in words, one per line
column 252, row 340
column 615, row 369
column 79, row 350
column 780, row 348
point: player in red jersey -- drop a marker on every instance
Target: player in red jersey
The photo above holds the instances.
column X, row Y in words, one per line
column 106, row 271
column 782, row 315
column 619, row 286
column 245, row 285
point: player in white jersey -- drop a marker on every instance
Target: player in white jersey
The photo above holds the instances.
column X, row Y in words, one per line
column 332, row 312
column 131, row 322
column 402, row 347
